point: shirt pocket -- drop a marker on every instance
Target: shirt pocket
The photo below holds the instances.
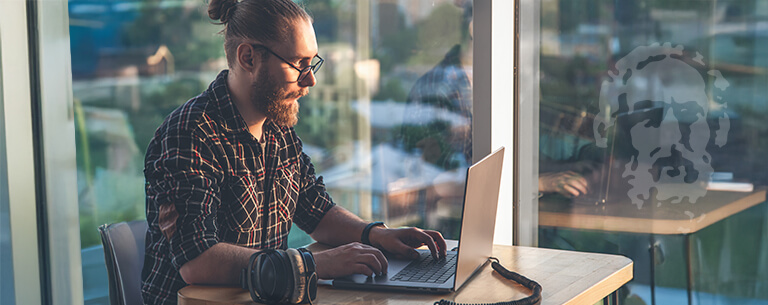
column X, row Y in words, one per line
column 241, row 201
column 286, row 192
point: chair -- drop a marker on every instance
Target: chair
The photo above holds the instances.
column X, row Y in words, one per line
column 124, row 256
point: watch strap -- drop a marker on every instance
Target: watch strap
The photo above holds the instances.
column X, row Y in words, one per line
column 365, row 237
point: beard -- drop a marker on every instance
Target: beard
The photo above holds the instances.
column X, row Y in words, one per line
column 276, row 103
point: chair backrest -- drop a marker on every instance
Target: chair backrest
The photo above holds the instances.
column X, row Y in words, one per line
column 124, row 255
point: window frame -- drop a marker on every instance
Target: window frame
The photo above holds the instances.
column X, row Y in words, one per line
column 527, row 101
column 494, row 105
column 55, row 136
column 18, row 118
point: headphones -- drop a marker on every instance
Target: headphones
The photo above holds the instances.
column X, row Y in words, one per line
column 284, row 276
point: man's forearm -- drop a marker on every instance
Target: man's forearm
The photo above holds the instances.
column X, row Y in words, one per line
column 339, row 227
column 220, row 264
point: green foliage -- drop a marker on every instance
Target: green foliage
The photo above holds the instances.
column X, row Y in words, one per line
column 440, row 31
column 185, row 29
column 157, row 105
column 395, row 48
column 573, row 82
column 392, row 90
column 112, row 195
column 573, row 13
column 329, row 18
column 423, row 44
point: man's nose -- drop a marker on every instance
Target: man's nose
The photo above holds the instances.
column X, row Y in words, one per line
column 309, row 80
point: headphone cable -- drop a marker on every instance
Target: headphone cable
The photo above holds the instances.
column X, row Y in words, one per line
column 533, row 299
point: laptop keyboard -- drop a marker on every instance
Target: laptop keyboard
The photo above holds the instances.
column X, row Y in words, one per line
column 428, row 270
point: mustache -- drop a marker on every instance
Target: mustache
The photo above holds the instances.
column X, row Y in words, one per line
column 298, row 94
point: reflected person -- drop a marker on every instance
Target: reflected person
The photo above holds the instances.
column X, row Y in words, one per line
column 446, row 88
column 226, row 174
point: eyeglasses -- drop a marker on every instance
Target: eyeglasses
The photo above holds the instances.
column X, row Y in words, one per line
column 315, row 65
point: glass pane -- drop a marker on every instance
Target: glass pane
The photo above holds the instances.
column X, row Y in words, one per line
column 133, row 62
column 387, row 125
column 6, row 259
column 652, row 142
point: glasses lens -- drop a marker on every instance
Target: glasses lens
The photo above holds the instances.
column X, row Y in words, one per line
column 316, row 66
column 316, row 60
column 303, row 74
column 316, row 63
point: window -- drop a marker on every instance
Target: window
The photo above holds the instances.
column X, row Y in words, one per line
column 6, row 259
column 388, row 125
column 650, row 127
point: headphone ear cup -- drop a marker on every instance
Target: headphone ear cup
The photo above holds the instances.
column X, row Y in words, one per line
column 311, row 279
column 285, row 278
column 272, row 281
column 312, row 287
column 299, row 276
column 264, row 278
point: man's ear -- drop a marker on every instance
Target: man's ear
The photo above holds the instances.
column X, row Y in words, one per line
column 247, row 57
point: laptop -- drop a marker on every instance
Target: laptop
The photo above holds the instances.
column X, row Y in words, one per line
column 478, row 220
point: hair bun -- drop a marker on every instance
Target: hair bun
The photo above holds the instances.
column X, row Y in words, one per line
column 221, row 9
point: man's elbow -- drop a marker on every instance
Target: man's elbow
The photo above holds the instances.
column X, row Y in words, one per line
column 190, row 274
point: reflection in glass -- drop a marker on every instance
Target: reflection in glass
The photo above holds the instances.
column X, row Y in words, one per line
column 651, row 118
column 387, row 125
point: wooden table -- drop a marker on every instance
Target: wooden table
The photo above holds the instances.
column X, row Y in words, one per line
column 681, row 218
column 666, row 219
column 567, row 277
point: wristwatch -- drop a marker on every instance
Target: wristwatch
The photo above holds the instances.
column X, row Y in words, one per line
column 367, row 232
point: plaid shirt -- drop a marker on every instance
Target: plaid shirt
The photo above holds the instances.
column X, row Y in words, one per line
column 208, row 181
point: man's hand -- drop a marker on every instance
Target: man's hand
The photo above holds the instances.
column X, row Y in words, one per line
column 569, row 184
column 402, row 242
column 352, row 258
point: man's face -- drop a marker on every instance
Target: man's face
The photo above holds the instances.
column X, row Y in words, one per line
column 275, row 91
column 671, row 136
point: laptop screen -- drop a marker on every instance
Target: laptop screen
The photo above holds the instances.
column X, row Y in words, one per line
column 478, row 220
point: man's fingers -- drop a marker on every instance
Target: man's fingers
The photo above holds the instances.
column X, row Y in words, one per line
column 424, row 238
column 571, row 190
column 361, row 268
column 380, row 258
column 383, row 260
column 372, row 262
column 579, row 184
column 439, row 241
column 404, row 251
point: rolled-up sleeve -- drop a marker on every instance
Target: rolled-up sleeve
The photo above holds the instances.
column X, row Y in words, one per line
column 183, row 179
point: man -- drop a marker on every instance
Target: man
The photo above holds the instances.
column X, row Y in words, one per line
column 226, row 175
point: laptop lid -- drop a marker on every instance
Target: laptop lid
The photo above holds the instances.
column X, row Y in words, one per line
column 478, row 221
column 481, row 195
